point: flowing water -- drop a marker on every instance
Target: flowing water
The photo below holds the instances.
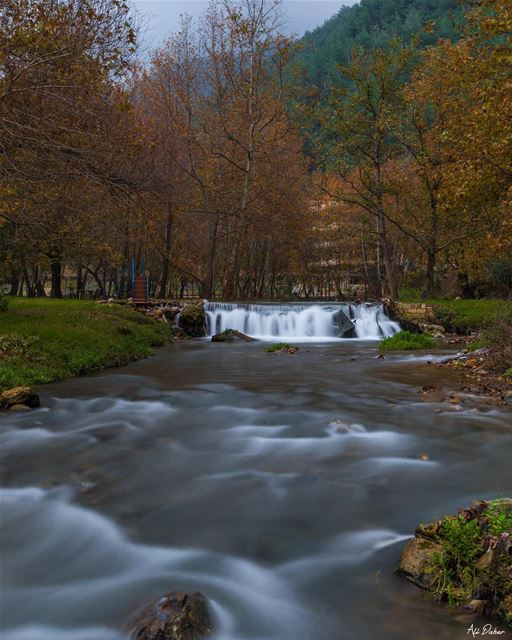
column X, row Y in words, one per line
column 282, row 486
column 302, row 322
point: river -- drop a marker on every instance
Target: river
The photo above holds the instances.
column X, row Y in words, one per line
column 282, row 486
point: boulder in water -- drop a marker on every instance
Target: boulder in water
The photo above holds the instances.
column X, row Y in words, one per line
column 25, row 396
column 175, row 616
column 232, row 335
column 192, row 320
column 416, row 560
column 342, row 427
column 345, row 324
column 281, row 347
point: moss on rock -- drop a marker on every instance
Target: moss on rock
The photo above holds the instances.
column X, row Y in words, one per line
column 192, row 320
column 466, row 558
column 231, row 335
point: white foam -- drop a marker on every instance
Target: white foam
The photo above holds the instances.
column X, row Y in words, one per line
column 301, row 322
column 80, row 569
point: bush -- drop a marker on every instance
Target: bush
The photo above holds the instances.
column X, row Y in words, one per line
column 407, row 341
column 4, row 303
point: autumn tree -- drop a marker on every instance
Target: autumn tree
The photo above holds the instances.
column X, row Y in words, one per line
column 56, row 59
column 468, row 86
column 357, row 132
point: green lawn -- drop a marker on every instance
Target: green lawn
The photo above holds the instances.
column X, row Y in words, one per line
column 42, row 340
column 463, row 315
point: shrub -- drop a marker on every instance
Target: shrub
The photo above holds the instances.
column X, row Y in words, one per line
column 407, row 341
column 4, row 303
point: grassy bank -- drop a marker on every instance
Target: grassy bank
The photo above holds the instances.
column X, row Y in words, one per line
column 463, row 316
column 43, row 340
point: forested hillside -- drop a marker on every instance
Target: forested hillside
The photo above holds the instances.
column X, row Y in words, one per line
column 372, row 24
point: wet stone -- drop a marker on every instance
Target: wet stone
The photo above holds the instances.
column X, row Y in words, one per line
column 175, row 616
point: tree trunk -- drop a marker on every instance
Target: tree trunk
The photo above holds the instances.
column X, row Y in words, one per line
column 164, row 279
column 79, row 281
column 207, row 289
column 386, row 258
column 15, row 284
column 430, row 282
column 56, row 269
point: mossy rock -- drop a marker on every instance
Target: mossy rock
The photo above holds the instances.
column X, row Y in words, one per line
column 25, row 396
column 175, row 616
column 415, row 562
column 466, row 558
column 192, row 320
column 232, row 335
column 281, row 347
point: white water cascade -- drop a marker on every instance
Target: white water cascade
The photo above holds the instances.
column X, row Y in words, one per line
column 302, row 321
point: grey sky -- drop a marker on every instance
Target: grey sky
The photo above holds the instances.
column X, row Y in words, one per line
column 161, row 17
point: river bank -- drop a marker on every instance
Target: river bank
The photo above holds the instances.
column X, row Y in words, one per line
column 44, row 340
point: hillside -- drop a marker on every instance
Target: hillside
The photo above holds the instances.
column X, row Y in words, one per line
column 372, row 24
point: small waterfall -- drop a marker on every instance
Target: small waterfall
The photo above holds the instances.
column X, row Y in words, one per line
column 301, row 321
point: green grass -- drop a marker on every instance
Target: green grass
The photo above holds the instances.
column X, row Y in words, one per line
column 407, row 341
column 43, row 340
column 278, row 346
column 462, row 316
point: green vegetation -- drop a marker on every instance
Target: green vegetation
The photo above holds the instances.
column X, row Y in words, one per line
column 474, row 558
column 279, row 346
column 370, row 25
column 462, row 316
column 42, row 340
column 407, row 341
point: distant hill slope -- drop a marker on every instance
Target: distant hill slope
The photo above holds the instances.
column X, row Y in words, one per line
column 372, row 24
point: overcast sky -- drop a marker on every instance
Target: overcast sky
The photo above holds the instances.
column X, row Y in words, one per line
column 161, row 17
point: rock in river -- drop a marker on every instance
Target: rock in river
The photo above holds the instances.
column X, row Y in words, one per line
column 466, row 559
column 25, row 396
column 176, row 616
column 232, row 335
column 415, row 562
column 192, row 320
